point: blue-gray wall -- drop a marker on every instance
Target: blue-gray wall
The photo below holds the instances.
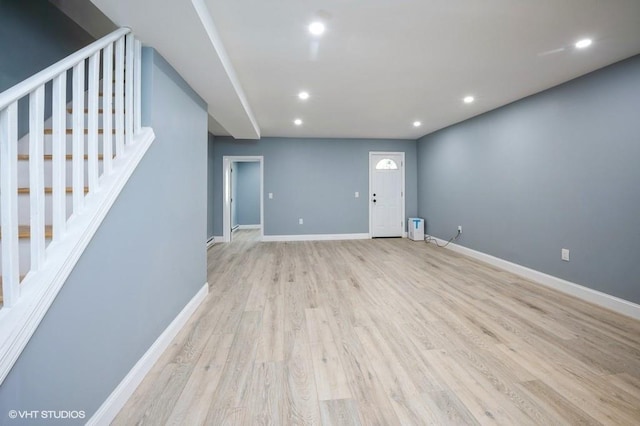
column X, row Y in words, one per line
column 34, row 34
column 141, row 268
column 560, row 169
column 248, row 195
column 314, row 179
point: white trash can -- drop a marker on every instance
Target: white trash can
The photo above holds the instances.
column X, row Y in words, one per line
column 416, row 229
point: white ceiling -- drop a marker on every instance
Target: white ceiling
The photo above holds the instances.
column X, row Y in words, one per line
column 381, row 64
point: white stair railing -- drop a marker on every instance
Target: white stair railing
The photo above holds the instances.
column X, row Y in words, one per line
column 34, row 89
column 116, row 96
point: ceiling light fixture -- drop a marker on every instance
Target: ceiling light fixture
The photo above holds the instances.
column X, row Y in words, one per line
column 297, row 122
column 586, row 42
column 469, row 99
column 316, row 28
column 303, row 95
column 417, row 124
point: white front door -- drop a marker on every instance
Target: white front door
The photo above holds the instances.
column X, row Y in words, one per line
column 386, row 194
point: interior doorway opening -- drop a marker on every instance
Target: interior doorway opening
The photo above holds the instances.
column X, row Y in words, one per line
column 232, row 201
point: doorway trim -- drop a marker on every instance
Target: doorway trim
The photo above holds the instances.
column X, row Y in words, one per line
column 404, row 192
column 226, row 191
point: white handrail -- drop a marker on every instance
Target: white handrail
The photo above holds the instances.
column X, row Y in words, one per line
column 21, row 89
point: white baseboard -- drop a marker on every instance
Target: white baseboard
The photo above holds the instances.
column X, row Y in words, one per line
column 258, row 226
column 594, row 296
column 114, row 403
column 211, row 241
column 315, row 237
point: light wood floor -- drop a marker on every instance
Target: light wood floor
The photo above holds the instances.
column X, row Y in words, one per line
column 386, row 332
column 245, row 235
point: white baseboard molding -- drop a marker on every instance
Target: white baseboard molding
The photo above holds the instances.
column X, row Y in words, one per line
column 258, row 226
column 315, row 237
column 211, row 241
column 121, row 394
column 596, row 297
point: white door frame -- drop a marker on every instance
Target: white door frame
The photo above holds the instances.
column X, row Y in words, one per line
column 404, row 193
column 226, row 191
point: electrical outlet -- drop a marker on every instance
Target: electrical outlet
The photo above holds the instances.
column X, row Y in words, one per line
column 271, row 195
column 459, row 229
column 565, row 255
column 357, row 194
column 300, row 221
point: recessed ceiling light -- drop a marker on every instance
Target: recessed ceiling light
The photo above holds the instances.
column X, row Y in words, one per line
column 303, row 95
column 316, row 28
column 586, row 42
column 297, row 122
column 417, row 124
column 469, row 99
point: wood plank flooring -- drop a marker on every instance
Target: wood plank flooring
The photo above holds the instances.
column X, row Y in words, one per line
column 386, row 332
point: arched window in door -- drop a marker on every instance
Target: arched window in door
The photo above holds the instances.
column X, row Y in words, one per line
column 386, row 164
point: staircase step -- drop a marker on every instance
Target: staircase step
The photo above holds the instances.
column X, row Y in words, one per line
column 47, row 147
column 70, row 131
column 1, row 298
column 49, row 190
column 24, row 204
column 21, row 278
column 24, row 232
column 24, row 166
column 49, row 157
column 86, row 111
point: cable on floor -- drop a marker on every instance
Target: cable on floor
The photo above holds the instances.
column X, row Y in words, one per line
column 429, row 239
